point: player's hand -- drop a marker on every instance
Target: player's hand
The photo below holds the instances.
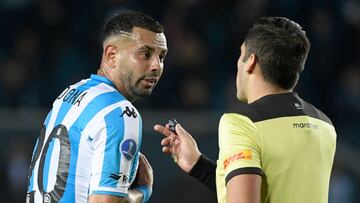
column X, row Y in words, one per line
column 182, row 145
column 144, row 175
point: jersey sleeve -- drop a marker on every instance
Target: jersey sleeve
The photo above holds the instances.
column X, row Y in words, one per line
column 239, row 146
column 115, row 144
column 204, row 171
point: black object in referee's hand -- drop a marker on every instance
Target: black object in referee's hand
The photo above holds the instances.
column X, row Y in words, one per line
column 172, row 123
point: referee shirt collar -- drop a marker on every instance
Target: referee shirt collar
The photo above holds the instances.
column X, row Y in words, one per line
column 280, row 96
column 102, row 79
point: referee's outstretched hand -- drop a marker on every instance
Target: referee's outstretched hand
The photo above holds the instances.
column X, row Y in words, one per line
column 181, row 145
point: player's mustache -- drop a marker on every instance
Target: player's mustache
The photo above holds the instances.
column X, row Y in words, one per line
column 151, row 75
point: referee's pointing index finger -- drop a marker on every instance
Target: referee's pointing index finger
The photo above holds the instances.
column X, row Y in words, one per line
column 161, row 129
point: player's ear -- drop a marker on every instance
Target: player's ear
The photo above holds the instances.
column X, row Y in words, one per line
column 250, row 63
column 110, row 55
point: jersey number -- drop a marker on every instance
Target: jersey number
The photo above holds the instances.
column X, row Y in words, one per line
column 59, row 132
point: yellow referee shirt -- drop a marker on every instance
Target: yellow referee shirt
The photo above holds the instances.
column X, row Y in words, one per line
column 287, row 141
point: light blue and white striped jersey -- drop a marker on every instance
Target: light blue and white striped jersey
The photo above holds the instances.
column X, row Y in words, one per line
column 89, row 145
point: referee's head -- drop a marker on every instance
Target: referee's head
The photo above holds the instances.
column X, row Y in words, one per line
column 279, row 47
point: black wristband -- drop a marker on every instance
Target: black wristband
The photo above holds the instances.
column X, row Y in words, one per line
column 205, row 171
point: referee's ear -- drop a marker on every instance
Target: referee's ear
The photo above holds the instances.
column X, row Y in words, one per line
column 250, row 63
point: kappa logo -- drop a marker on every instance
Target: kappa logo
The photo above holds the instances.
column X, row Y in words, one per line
column 245, row 155
column 129, row 113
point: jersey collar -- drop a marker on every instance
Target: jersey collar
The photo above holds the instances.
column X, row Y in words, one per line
column 102, row 79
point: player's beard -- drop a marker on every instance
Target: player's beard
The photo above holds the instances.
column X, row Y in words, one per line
column 136, row 89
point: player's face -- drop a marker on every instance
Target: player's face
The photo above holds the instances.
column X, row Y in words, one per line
column 139, row 63
column 241, row 77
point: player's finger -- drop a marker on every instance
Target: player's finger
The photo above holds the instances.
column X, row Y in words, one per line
column 161, row 129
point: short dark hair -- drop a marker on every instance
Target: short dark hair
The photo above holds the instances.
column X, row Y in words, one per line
column 126, row 20
column 281, row 48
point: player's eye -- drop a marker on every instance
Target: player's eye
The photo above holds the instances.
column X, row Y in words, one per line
column 161, row 57
column 145, row 54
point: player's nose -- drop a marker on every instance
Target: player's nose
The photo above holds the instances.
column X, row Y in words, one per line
column 156, row 64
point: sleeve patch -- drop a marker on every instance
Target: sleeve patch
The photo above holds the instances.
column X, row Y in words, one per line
column 244, row 154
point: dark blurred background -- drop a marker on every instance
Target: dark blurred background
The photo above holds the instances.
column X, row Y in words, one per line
column 46, row 45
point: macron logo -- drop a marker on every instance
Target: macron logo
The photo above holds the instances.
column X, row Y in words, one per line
column 305, row 125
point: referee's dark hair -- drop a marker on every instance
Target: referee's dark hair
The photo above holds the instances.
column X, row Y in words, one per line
column 281, row 48
column 127, row 19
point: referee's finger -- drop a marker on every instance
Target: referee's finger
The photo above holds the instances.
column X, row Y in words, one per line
column 166, row 141
column 166, row 150
column 181, row 130
column 161, row 129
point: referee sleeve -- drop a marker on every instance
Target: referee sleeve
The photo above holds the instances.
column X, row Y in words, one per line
column 239, row 146
column 204, row 171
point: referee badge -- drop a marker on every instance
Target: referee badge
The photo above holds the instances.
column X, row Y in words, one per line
column 128, row 149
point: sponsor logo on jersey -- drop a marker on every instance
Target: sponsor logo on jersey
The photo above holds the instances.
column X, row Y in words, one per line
column 298, row 105
column 305, row 125
column 244, row 154
column 128, row 149
column 120, row 177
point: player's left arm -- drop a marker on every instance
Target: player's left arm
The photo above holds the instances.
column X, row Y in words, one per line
column 114, row 143
column 142, row 187
column 245, row 188
column 134, row 196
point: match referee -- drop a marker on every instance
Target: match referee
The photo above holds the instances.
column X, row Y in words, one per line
column 278, row 148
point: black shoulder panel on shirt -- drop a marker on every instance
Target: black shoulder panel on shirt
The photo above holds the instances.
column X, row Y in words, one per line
column 280, row 105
